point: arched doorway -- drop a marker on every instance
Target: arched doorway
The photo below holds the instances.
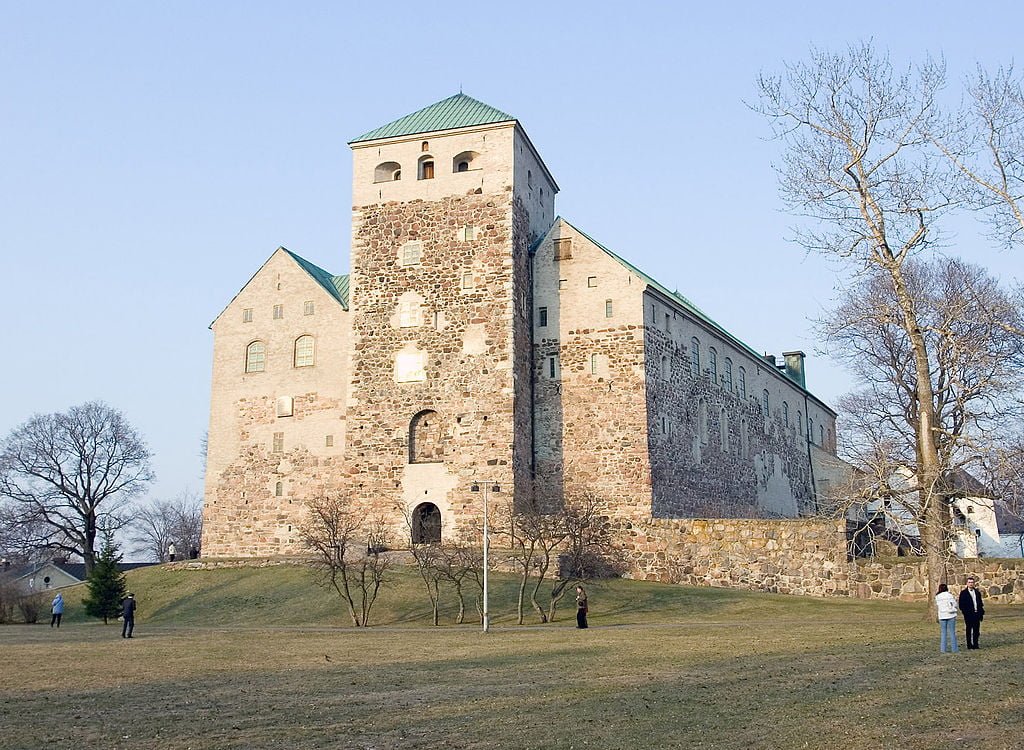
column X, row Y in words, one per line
column 426, row 524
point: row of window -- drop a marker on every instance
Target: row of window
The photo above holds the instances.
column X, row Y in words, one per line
column 542, row 313
column 302, row 354
column 391, row 171
column 307, row 309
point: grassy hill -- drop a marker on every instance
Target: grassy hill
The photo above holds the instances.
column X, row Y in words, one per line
column 288, row 595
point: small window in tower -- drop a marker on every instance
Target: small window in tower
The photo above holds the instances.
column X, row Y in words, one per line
column 563, row 249
column 425, row 146
column 668, row 323
column 591, row 281
column 664, row 426
column 542, row 317
column 562, row 283
column 593, row 364
column 278, row 442
column 467, row 280
column 463, row 166
column 426, row 168
column 552, row 367
column 329, row 441
column 608, row 308
column 307, row 307
column 278, row 312
column 467, row 233
column 247, row 315
column 279, row 489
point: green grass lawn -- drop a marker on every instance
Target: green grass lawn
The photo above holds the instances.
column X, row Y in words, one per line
column 261, row 658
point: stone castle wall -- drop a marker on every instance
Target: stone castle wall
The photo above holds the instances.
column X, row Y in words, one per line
column 780, row 556
column 1000, row 581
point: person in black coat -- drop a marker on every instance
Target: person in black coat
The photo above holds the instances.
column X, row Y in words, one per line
column 974, row 611
column 128, row 614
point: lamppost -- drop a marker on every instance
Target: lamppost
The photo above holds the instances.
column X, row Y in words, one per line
column 486, row 488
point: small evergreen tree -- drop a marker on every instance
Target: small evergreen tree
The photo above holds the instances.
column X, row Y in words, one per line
column 106, row 584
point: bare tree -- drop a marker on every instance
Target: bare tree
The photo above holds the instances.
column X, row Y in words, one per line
column 349, row 551
column 71, row 474
column 584, row 552
column 860, row 168
column 163, row 522
column 975, row 368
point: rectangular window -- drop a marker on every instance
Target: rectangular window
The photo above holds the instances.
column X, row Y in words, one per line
column 562, row 283
column 668, row 322
column 247, row 315
column 542, row 317
column 467, row 233
column 607, row 308
column 593, row 364
column 591, row 281
column 552, row 367
column 307, row 307
column 412, row 253
column 278, row 312
column 467, row 281
column 278, row 442
column 664, row 426
column 563, row 249
column 329, row 441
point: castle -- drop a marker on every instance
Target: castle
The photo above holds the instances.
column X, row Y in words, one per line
column 481, row 338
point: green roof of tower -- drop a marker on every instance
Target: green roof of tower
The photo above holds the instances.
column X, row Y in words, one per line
column 459, row 111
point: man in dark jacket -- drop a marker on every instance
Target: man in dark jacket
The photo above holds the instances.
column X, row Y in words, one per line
column 128, row 614
column 974, row 611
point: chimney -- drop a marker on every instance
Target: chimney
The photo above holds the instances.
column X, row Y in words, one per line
column 795, row 367
column 769, row 358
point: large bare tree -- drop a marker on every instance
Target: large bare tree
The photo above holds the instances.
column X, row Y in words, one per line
column 859, row 168
column 71, row 474
column 178, row 520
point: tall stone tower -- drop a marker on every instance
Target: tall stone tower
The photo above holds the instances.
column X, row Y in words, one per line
column 447, row 202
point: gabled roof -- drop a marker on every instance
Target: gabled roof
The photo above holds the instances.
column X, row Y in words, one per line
column 336, row 286
column 459, row 111
column 687, row 305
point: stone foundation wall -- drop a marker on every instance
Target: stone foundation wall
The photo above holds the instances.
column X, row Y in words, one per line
column 806, row 557
column 1000, row 581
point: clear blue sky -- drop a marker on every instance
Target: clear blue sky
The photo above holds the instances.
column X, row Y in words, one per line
column 153, row 155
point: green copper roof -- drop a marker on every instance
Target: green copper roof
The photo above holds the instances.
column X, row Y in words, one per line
column 336, row 286
column 459, row 111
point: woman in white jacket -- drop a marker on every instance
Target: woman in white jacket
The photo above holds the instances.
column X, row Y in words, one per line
column 945, row 603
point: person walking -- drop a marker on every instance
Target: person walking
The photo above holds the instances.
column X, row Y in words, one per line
column 171, row 551
column 581, row 607
column 56, row 609
column 946, row 605
column 974, row 611
column 128, row 615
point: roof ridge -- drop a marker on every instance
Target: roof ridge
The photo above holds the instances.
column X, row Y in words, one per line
column 324, row 278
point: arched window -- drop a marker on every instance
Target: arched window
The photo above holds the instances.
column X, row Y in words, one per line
column 821, row 436
column 764, row 402
column 304, row 351
column 425, row 438
column 810, row 428
column 799, row 423
column 256, row 357
column 728, row 374
column 702, row 421
column 279, row 489
column 425, row 168
column 713, row 363
column 744, row 438
column 743, row 384
column 387, row 171
column 695, row 357
column 723, row 430
column 666, row 367
column 785, row 413
column 464, row 162
column 426, row 524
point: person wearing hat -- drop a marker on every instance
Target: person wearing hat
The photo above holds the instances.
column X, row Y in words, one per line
column 128, row 614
